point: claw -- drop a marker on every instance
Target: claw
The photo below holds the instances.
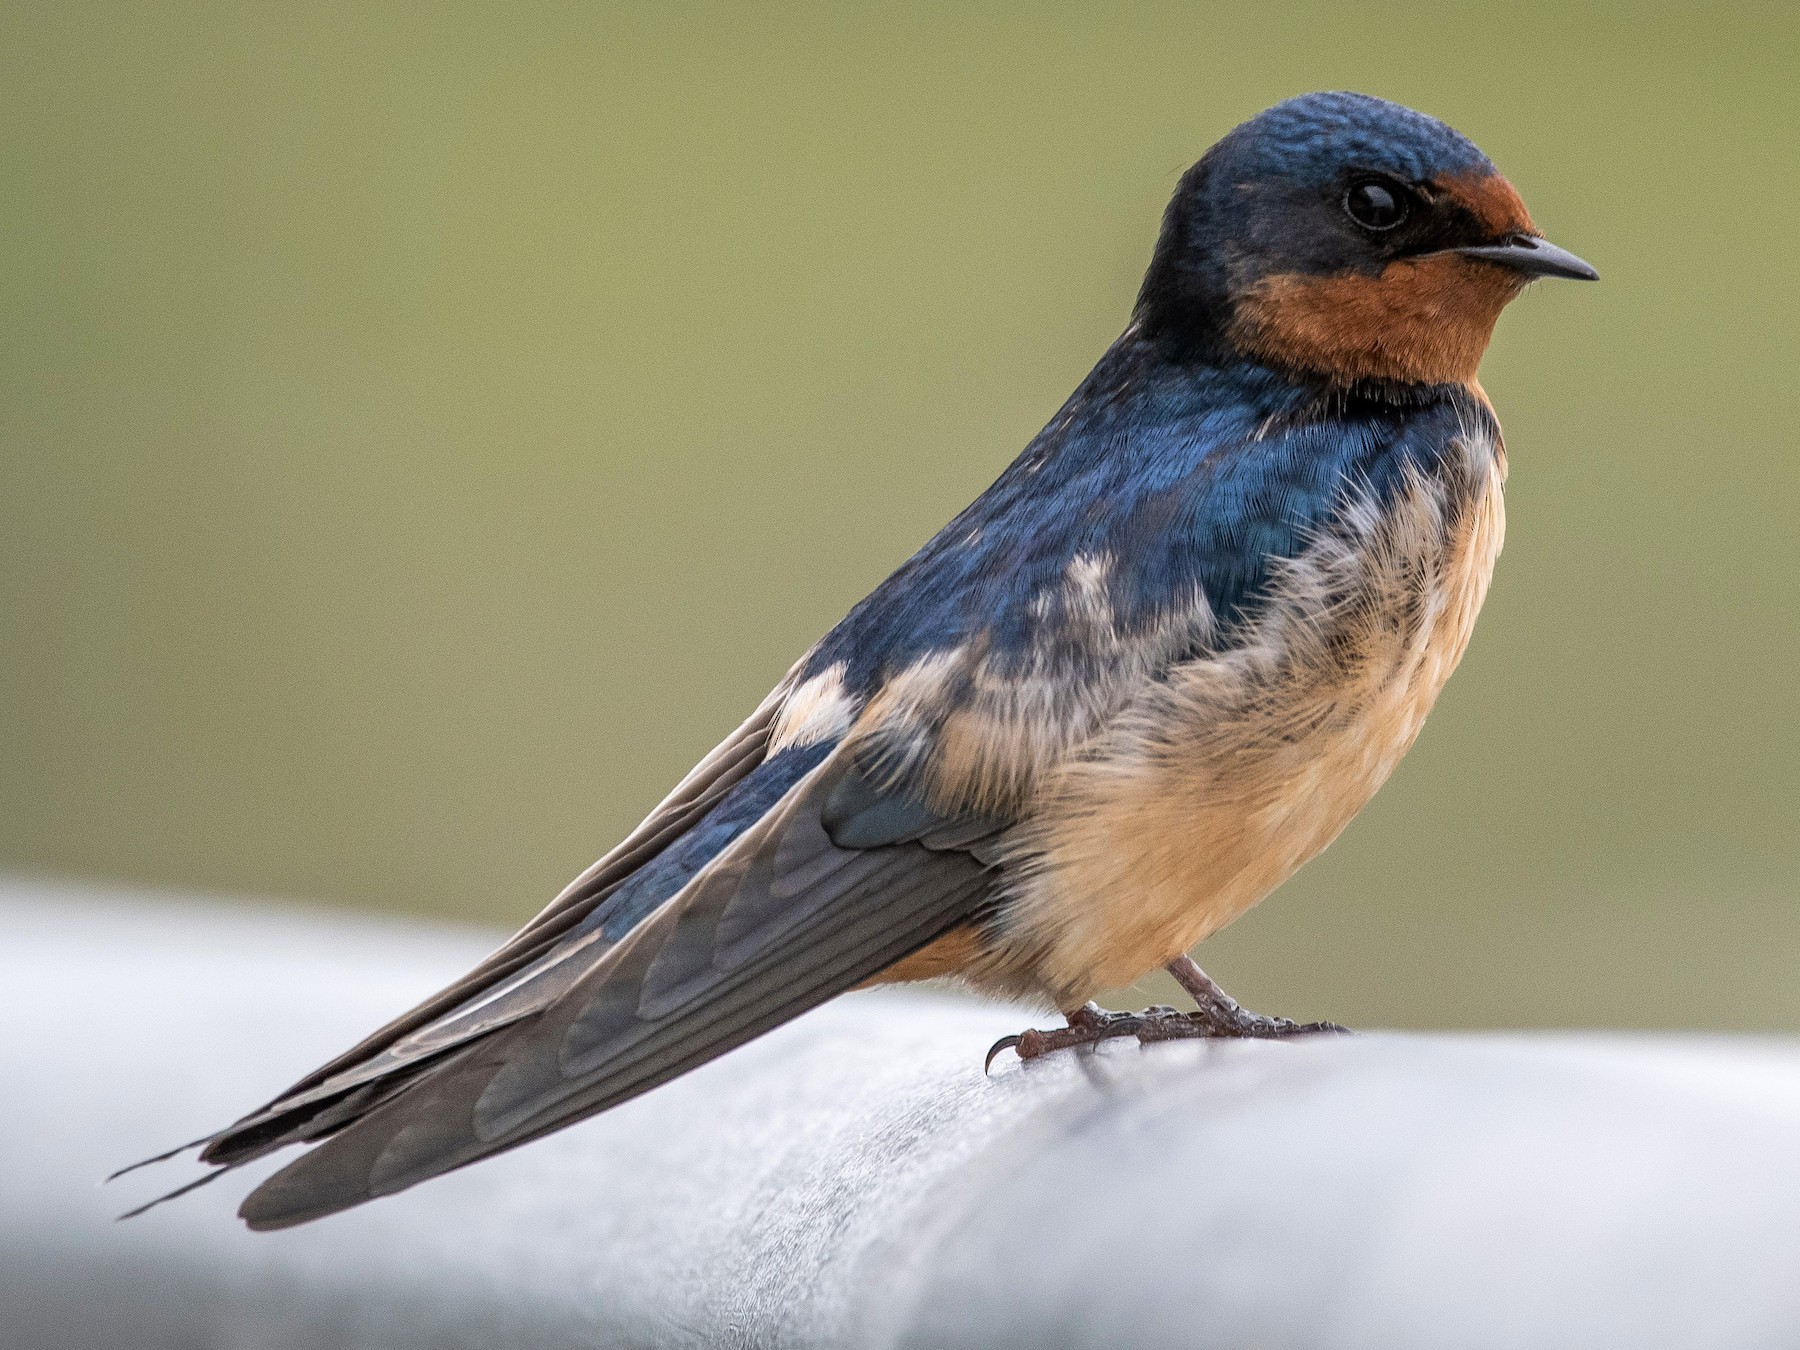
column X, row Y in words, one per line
column 1004, row 1043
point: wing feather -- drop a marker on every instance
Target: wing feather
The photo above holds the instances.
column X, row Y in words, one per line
column 528, row 971
column 783, row 919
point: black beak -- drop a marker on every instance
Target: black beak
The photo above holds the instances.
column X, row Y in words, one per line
column 1534, row 257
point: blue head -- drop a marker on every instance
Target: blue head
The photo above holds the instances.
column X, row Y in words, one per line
column 1346, row 237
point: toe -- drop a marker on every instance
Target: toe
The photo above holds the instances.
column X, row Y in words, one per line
column 1323, row 1029
column 1004, row 1043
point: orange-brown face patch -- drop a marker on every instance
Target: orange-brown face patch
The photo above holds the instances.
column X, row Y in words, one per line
column 1491, row 200
column 1422, row 320
column 1425, row 319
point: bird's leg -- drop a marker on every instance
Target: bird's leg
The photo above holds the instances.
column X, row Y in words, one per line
column 1222, row 1015
column 1218, row 1015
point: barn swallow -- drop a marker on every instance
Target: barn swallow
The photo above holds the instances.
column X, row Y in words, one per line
column 1150, row 672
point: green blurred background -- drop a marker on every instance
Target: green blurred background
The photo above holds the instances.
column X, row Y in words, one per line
column 427, row 429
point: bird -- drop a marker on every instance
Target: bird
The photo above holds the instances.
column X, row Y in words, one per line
column 1143, row 678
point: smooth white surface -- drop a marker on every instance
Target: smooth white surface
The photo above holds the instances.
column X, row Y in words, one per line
column 853, row 1180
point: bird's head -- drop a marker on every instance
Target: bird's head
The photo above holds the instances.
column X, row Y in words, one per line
column 1347, row 237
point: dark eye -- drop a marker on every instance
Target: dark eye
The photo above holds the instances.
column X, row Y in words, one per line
column 1376, row 206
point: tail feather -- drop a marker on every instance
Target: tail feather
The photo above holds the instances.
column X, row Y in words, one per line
column 623, row 1029
column 753, row 912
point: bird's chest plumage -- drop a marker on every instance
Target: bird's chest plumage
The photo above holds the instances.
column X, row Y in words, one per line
column 1216, row 782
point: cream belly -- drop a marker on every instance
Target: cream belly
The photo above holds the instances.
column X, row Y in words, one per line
column 1211, row 788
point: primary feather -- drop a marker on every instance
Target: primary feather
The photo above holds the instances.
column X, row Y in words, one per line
column 780, row 919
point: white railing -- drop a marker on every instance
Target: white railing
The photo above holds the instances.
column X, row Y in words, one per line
column 854, row 1181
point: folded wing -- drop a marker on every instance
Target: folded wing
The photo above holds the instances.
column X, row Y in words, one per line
column 778, row 920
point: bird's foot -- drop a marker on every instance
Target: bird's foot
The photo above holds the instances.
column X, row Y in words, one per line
column 1217, row 1016
column 1088, row 1025
column 1227, row 1017
column 1092, row 1024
